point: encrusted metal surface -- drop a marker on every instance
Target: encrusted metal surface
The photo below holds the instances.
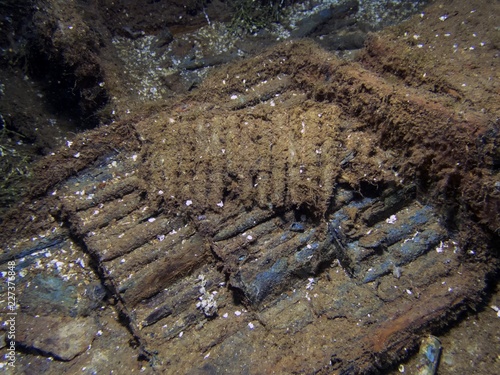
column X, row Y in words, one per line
column 271, row 214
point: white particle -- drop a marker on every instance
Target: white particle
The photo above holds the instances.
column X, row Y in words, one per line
column 494, row 307
column 250, row 325
column 77, row 155
column 440, row 248
column 225, row 315
column 443, row 17
column 233, row 97
column 189, row 202
column 311, row 283
column 391, row 220
column 151, row 219
column 220, row 204
column 237, row 313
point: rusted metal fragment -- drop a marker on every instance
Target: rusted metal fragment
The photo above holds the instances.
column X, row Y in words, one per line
column 162, row 272
column 267, row 257
column 95, row 218
column 175, row 308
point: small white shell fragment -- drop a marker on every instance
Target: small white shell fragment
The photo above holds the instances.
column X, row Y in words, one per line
column 77, row 155
column 440, row 248
column 237, row 313
column 233, row 97
column 391, row 220
column 189, row 202
column 152, row 219
column 311, row 283
column 80, row 262
column 250, row 325
column 497, row 309
column 220, row 204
